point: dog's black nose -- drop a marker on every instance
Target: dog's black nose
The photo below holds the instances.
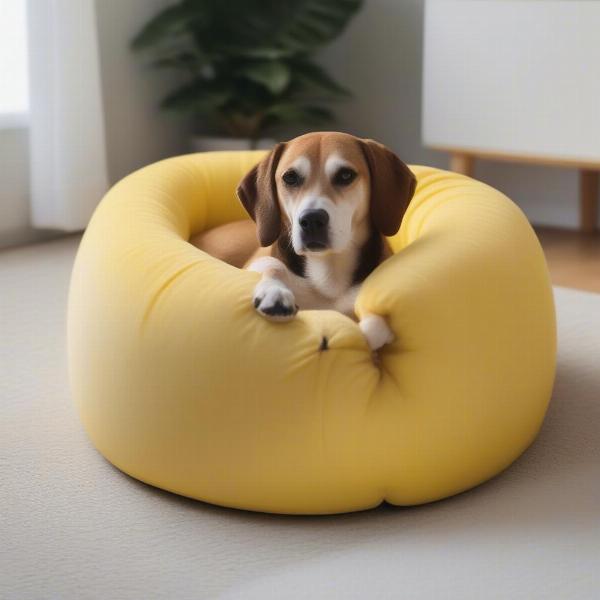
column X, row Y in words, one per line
column 315, row 231
column 314, row 222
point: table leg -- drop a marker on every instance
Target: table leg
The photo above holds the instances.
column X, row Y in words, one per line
column 588, row 200
column 462, row 163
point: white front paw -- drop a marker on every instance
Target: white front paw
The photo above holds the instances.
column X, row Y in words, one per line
column 376, row 331
column 274, row 300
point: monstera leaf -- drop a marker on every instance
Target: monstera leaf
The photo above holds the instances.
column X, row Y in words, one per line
column 310, row 77
column 274, row 75
column 172, row 22
column 198, row 96
column 304, row 25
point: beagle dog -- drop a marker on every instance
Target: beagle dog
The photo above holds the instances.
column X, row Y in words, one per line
column 322, row 205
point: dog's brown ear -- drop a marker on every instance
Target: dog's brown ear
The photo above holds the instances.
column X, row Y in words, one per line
column 258, row 193
column 392, row 186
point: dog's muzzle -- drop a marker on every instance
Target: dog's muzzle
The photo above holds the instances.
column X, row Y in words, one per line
column 314, row 225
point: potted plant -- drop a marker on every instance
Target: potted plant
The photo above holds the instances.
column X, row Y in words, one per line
column 247, row 65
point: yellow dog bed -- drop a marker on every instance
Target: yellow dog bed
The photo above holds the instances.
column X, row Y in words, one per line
column 181, row 384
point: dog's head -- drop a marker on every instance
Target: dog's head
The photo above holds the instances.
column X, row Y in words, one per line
column 321, row 187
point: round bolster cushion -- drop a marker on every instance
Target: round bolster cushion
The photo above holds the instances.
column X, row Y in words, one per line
column 181, row 384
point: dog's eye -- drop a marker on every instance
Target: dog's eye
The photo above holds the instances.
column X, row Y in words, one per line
column 344, row 176
column 291, row 178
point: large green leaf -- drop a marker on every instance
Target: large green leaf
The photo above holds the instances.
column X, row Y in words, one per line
column 263, row 52
column 199, row 96
column 307, row 24
column 314, row 79
column 274, row 75
column 188, row 61
column 170, row 22
column 270, row 26
column 256, row 26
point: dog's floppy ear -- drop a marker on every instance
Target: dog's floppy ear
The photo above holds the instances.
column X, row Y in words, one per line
column 258, row 193
column 392, row 186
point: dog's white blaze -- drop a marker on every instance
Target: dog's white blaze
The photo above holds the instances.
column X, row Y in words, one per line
column 344, row 215
column 331, row 271
column 312, row 200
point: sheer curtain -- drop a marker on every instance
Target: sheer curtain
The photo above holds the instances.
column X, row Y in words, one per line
column 68, row 168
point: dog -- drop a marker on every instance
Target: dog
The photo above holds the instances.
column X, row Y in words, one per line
column 322, row 205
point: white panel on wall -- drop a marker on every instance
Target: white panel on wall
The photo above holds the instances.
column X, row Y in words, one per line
column 513, row 76
column 380, row 59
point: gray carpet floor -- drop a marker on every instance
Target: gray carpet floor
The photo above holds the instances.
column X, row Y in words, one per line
column 74, row 527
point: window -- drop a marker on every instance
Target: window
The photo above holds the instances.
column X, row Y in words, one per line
column 13, row 64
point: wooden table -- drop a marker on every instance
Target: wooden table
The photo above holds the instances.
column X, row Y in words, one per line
column 463, row 161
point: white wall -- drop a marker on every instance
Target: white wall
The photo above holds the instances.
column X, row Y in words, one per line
column 14, row 186
column 380, row 58
column 137, row 133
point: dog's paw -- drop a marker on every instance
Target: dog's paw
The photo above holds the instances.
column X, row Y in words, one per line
column 275, row 301
column 376, row 331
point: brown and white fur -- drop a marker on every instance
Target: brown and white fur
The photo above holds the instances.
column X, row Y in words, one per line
column 323, row 204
